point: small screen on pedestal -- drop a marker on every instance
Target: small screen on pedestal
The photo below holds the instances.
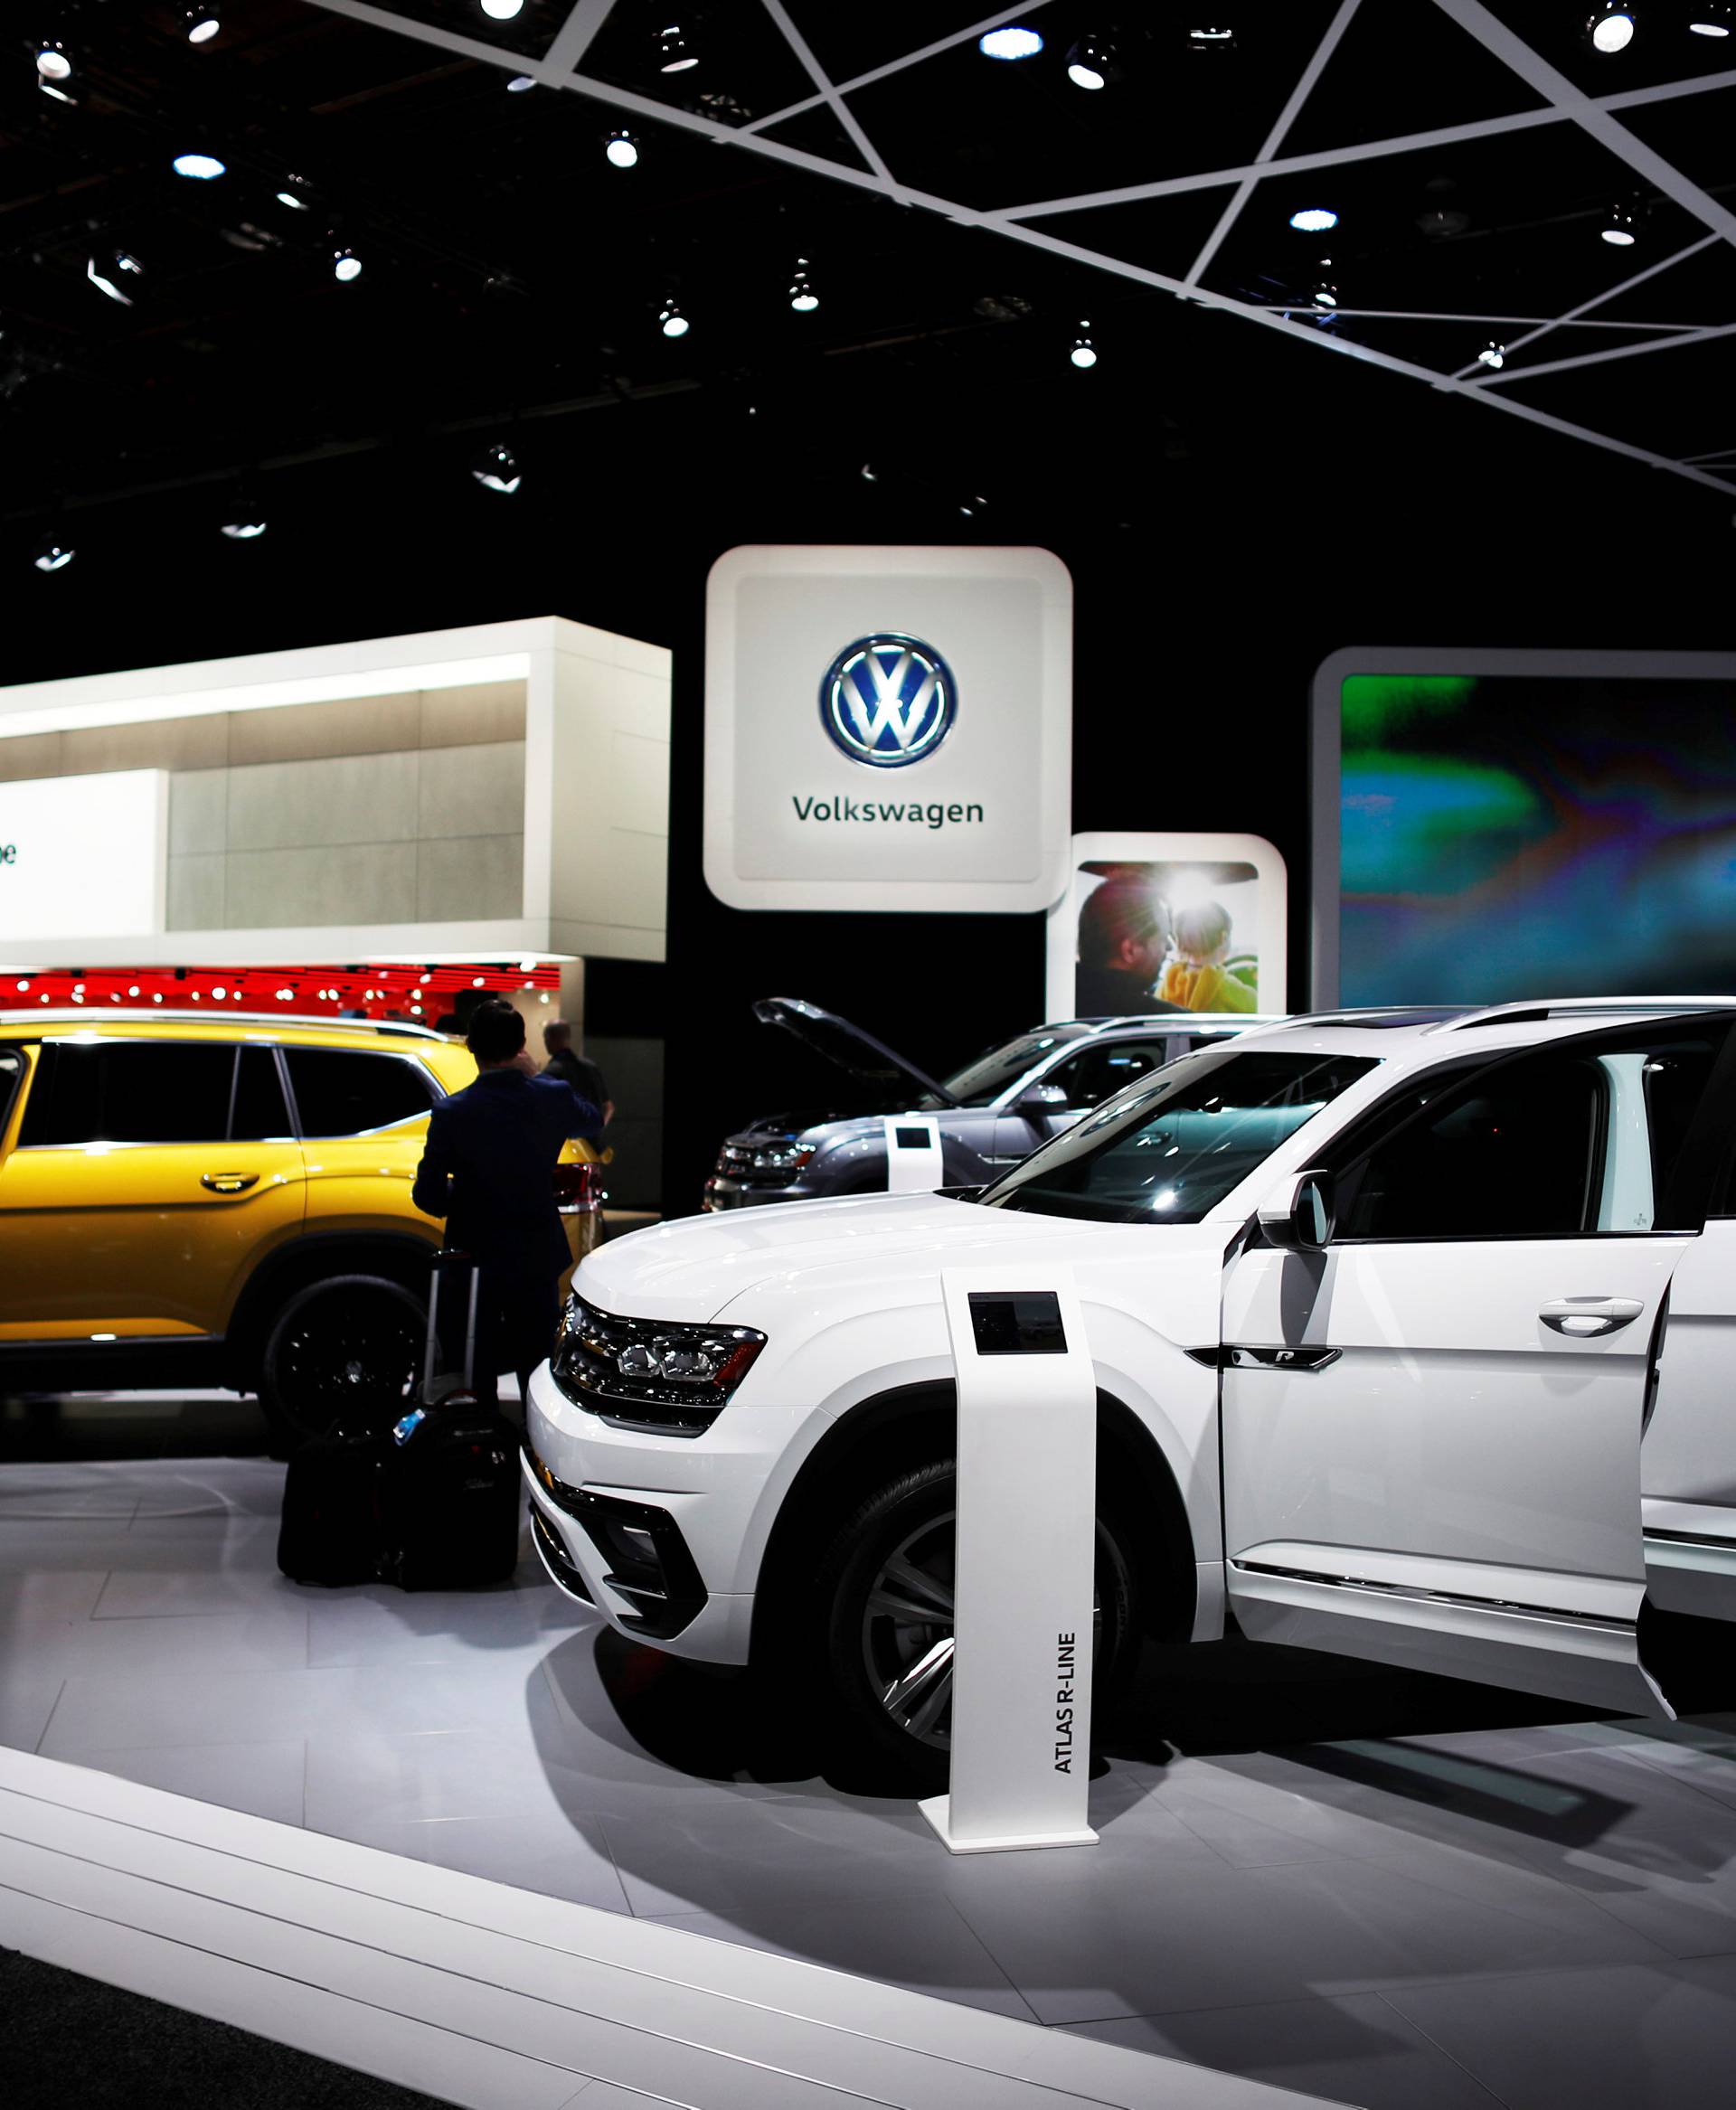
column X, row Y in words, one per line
column 1017, row 1323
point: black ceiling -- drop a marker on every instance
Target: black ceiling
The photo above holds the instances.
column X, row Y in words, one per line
column 512, row 276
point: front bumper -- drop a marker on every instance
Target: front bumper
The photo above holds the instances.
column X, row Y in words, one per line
column 697, row 1499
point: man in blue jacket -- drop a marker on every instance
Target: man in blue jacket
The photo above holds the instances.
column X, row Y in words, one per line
column 488, row 1169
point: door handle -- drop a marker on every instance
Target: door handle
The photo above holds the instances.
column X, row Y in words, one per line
column 229, row 1182
column 1588, row 1318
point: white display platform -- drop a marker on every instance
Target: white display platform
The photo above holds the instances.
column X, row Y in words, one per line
column 502, row 1999
column 912, row 1154
column 1023, row 1570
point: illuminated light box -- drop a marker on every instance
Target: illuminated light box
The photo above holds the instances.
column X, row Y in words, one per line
column 1157, row 924
column 84, row 856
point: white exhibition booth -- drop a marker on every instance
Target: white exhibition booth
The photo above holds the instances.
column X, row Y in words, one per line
column 474, row 794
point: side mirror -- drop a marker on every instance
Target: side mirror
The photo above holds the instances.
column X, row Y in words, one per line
column 1297, row 1217
column 1041, row 1100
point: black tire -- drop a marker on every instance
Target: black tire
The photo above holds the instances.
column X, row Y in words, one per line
column 345, row 1353
column 867, row 1647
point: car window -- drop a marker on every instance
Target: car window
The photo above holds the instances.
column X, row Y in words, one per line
column 1170, row 1149
column 341, row 1091
column 12, row 1068
column 1573, row 1140
column 1089, row 1077
column 984, row 1079
column 259, row 1110
column 129, row 1091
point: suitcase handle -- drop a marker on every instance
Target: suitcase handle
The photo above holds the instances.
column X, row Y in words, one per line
column 444, row 1262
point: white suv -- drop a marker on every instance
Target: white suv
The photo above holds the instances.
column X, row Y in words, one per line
column 1379, row 1310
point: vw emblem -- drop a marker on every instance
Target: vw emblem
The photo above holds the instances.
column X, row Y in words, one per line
column 888, row 699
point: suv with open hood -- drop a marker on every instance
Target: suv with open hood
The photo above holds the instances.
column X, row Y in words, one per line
column 987, row 1117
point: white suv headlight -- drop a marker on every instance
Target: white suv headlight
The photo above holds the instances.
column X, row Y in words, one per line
column 650, row 1373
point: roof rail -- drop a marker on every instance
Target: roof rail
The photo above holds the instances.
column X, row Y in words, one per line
column 1428, row 1015
column 1520, row 1014
column 83, row 1013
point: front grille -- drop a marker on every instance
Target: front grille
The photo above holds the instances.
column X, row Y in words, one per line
column 735, row 1163
column 586, row 1366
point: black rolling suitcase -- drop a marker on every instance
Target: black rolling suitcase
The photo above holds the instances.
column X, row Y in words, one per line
column 452, row 1498
column 332, row 1527
column 449, row 1482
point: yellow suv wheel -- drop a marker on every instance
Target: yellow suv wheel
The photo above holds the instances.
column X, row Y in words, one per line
column 343, row 1356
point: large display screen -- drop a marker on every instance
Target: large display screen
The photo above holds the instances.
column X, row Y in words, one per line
column 1512, row 834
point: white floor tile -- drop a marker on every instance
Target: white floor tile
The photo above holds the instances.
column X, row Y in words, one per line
column 263, row 1779
column 385, row 1625
column 272, row 1638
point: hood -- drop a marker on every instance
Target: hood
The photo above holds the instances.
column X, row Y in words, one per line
column 696, row 1266
column 848, row 1047
column 693, row 1268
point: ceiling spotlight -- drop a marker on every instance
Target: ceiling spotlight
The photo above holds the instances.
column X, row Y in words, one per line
column 1712, row 18
column 1093, row 62
column 346, row 265
column 802, row 296
column 1619, row 229
column 296, row 193
column 501, row 10
column 1493, row 355
column 971, row 507
column 519, row 84
column 201, row 24
column 51, row 555
column 1325, row 294
column 53, row 61
column 672, row 322
column 497, row 468
column 246, row 522
column 203, row 168
column 1084, row 352
column 870, row 474
column 1610, row 29
column 675, row 52
column 621, row 150
column 1014, row 42
column 116, row 273
column 1215, row 38
column 1314, row 220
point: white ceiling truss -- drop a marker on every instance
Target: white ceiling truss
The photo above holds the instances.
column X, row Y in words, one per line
column 1599, row 117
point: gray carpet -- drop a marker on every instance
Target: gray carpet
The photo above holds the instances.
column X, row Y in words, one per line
column 71, row 2043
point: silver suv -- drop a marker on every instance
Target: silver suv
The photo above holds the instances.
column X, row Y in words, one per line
column 991, row 1114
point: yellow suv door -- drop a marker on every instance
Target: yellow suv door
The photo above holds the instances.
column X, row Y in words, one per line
column 147, row 1176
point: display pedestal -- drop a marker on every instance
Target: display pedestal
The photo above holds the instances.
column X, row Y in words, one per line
column 1023, row 1570
column 913, row 1155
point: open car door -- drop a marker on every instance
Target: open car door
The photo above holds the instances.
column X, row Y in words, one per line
column 1432, row 1404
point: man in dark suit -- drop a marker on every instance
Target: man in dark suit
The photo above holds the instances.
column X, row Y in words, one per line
column 488, row 1169
column 572, row 1067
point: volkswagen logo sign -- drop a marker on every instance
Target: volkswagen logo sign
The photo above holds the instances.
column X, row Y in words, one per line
column 888, row 699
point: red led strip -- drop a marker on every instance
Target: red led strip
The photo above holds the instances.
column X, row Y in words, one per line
column 419, row 994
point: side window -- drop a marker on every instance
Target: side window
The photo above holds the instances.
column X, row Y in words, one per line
column 12, row 1069
column 1577, row 1139
column 258, row 1111
column 130, row 1091
column 343, row 1092
column 1104, row 1067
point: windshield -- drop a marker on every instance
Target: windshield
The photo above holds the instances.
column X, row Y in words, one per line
column 981, row 1082
column 1169, row 1148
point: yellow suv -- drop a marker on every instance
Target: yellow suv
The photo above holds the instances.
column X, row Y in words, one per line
column 192, row 1200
